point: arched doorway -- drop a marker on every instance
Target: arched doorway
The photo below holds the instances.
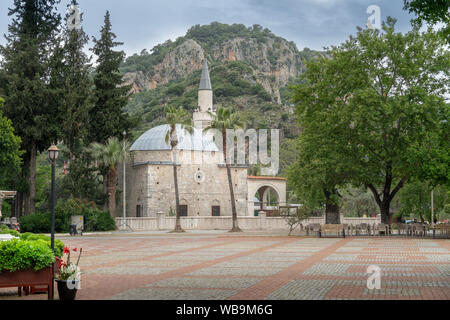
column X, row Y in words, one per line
column 266, row 199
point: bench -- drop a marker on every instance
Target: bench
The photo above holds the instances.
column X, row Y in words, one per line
column 313, row 227
column 336, row 229
column 444, row 229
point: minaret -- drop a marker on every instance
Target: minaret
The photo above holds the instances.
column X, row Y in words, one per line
column 202, row 118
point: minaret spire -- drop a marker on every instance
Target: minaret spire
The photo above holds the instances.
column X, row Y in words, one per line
column 202, row 118
column 205, row 81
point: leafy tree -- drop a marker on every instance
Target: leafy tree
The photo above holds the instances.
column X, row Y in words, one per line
column 323, row 163
column 386, row 107
column 31, row 103
column 107, row 117
column 294, row 217
column 431, row 11
column 358, row 202
column 181, row 118
column 10, row 154
column 318, row 173
column 109, row 155
column 225, row 119
column 415, row 201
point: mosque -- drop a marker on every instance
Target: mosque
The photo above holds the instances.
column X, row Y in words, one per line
column 202, row 176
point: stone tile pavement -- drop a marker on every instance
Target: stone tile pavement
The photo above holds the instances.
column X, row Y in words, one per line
column 234, row 267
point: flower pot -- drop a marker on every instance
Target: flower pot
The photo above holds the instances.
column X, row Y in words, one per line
column 67, row 289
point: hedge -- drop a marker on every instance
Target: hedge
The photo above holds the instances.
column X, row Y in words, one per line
column 17, row 254
column 94, row 219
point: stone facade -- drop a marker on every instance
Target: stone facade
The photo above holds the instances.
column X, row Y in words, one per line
column 150, row 185
column 202, row 176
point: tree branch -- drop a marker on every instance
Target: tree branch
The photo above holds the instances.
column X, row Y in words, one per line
column 375, row 193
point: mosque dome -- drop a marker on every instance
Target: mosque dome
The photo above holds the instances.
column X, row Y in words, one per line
column 155, row 139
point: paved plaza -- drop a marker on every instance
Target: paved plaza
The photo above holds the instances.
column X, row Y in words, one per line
column 234, row 267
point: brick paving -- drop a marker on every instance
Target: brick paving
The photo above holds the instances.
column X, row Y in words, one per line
column 229, row 267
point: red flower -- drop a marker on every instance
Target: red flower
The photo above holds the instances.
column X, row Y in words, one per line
column 75, row 249
column 66, row 250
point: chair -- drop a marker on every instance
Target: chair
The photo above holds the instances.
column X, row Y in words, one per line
column 313, row 227
column 362, row 228
column 381, row 228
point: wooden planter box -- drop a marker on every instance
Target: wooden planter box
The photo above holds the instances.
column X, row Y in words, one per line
column 28, row 278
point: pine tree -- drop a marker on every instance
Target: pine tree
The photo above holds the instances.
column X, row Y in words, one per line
column 107, row 117
column 30, row 102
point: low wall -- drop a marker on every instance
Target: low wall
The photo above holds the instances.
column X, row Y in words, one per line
column 162, row 222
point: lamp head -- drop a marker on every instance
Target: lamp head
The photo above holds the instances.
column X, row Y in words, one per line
column 53, row 153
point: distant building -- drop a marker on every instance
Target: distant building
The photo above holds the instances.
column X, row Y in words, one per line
column 202, row 176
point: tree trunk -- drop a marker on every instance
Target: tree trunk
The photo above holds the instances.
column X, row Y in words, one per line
column 19, row 205
column 384, row 210
column 332, row 215
column 105, row 190
column 112, row 180
column 30, row 196
column 235, row 227
column 177, row 200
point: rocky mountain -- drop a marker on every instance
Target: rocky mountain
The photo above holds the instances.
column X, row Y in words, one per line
column 250, row 68
column 274, row 61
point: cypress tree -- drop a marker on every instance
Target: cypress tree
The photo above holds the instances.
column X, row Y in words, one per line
column 107, row 117
column 77, row 85
column 30, row 102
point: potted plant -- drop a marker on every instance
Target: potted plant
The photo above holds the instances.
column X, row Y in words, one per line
column 68, row 276
column 25, row 263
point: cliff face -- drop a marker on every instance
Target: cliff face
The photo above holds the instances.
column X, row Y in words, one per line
column 273, row 60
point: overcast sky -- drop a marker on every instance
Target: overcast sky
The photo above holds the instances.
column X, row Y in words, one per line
column 309, row 23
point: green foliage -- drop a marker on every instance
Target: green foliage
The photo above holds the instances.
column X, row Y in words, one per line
column 415, row 201
column 10, row 154
column 19, row 254
column 375, row 107
column 176, row 116
column 77, row 84
column 94, row 219
column 107, row 117
column 295, row 216
column 358, row 202
column 59, row 245
column 30, row 63
column 431, row 11
column 5, row 230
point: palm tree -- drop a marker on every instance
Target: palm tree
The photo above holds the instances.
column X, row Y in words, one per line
column 224, row 119
column 176, row 116
column 109, row 155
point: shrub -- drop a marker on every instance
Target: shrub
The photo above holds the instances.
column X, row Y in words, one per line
column 94, row 219
column 37, row 223
column 18, row 254
column 5, row 230
column 59, row 245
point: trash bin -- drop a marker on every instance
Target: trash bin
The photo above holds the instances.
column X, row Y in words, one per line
column 73, row 229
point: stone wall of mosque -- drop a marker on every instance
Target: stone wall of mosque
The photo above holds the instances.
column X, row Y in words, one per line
column 202, row 185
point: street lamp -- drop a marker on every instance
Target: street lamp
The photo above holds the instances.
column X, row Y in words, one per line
column 53, row 153
column 124, row 185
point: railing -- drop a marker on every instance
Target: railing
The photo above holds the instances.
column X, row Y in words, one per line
column 261, row 222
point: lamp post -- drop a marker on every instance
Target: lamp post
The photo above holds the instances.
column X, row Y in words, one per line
column 432, row 209
column 53, row 153
column 124, row 186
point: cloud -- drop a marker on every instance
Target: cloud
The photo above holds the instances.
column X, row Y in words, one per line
column 309, row 23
